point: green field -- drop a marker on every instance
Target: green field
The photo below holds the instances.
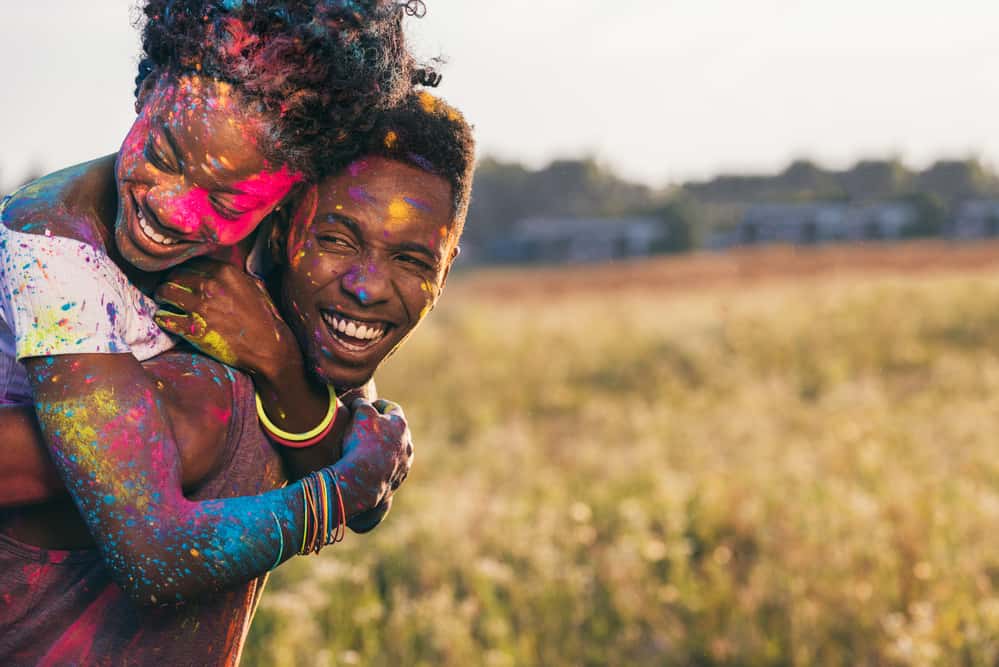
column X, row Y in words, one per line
column 802, row 473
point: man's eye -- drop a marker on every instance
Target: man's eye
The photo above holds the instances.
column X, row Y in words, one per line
column 415, row 261
column 333, row 240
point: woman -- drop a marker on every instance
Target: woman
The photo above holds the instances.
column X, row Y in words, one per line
column 236, row 103
column 377, row 251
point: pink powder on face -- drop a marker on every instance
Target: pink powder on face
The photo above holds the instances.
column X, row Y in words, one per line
column 191, row 211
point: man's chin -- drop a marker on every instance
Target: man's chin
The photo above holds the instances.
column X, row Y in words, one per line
column 342, row 382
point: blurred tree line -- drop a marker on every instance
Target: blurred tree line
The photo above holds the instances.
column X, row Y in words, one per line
column 506, row 192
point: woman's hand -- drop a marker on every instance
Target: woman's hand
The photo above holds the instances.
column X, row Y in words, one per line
column 377, row 456
column 228, row 315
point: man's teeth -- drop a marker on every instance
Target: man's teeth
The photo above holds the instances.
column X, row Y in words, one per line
column 355, row 329
column 150, row 232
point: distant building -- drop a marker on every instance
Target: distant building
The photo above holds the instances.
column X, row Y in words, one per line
column 975, row 219
column 819, row 222
column 562, row 240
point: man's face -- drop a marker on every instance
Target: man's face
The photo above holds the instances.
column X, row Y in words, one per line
column 369, row 266
column 191, row 175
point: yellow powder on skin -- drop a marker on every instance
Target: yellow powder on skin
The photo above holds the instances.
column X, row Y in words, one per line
column 398, row 211
column 211, row 343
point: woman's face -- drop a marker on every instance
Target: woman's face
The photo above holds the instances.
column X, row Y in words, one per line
column 369, row 266
column 191, row 174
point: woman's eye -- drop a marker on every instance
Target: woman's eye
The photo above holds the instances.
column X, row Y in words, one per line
column 156, row 158
column 224, row 209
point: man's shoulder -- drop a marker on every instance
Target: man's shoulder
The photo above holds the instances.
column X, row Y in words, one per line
column 199, row 396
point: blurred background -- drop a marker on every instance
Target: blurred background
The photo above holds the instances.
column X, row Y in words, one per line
column 714, row 383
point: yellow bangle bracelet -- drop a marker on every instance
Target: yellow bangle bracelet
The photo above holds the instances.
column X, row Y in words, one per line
column 299, row 437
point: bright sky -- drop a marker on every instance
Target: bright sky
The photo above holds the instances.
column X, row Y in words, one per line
column 663, row 90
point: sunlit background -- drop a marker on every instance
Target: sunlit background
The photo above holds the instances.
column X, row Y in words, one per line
column 663, row 91
column 718, row 383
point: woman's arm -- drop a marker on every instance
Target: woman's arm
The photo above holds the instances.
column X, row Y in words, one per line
column 202, row 296
column 28, row 475
column 104, row 425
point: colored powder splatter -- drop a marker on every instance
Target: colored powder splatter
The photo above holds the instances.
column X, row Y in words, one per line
column 360, row 195
column 417, row 204
column 210, row 342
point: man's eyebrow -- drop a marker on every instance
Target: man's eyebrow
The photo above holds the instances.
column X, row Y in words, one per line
column 354, row 227
column 346, row 221
column 417, row 247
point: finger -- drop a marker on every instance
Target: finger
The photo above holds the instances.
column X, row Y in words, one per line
column 172, row 322
column 178, row 296
column 388, row 408
column 368, row 520
column 189, row 326
column 363, row 406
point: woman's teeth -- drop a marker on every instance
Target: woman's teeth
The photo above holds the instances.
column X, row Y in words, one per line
column 150, row 232
column 354, row 329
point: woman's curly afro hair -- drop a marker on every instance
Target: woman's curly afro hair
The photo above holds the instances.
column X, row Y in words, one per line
column 319, row 68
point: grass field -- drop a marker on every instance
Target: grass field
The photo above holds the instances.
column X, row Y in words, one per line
column 772, row 458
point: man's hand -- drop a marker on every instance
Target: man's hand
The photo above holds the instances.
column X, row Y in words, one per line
column 377, row 456
column 227, row 314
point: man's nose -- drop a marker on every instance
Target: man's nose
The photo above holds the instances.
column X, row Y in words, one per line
column 368, row 282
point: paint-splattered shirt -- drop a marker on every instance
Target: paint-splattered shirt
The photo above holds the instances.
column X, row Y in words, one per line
column 61, row 296
column 61, row 607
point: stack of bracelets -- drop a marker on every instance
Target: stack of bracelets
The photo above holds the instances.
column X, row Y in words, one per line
column 318, row 502
column 319, row 506
column 320, row 528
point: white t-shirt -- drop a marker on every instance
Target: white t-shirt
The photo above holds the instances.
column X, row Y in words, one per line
column 61, row 296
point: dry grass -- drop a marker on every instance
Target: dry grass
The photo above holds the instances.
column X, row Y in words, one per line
column 784, row 466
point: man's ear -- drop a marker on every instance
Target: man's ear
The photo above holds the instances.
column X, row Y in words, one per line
column 447, row 269
column 148, row 84
column 291, row 222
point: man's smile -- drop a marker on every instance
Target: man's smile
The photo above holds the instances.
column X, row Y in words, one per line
column 354, row 334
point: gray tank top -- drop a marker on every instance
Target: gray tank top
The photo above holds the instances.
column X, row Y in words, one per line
column 61, row 607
